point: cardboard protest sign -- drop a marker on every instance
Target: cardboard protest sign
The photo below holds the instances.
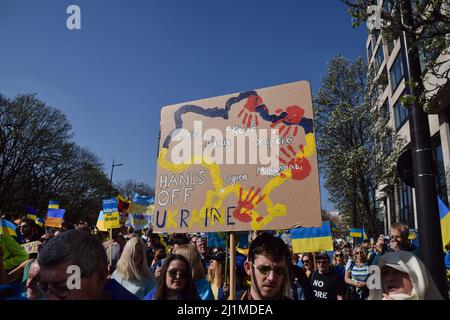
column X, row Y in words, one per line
column 111, row 218
column 31, row 247
column 244, row 161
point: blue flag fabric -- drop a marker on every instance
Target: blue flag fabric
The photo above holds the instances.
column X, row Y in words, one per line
column 218, row 239
column 143, row 200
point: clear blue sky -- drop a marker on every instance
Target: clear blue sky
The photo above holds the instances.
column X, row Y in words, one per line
column 132, row 57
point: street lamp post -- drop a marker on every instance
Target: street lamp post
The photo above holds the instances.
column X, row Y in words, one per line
column 112, row 172
column 422, row 158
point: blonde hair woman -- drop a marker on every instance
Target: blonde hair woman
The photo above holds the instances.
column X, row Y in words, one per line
column 216, row 274
column 132, row 271
column 190, row 252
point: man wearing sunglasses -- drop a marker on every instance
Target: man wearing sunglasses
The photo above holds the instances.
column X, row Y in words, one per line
column 267, row 266
column 325, row 281
column 84, row 250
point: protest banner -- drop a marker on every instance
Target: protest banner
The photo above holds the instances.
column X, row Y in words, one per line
column 238, row 162
column 31, row 247
column 111, row 218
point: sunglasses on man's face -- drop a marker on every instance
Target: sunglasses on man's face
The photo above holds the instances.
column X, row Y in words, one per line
column 338, row 254
column 305, row 261
column 322, row 261
column 265, row 270
column 174, row 273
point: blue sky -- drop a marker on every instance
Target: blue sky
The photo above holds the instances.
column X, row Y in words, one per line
column 132, row 57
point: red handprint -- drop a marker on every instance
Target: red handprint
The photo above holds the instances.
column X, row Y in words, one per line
column 294, row 116
column 244, row 206
column 250, row 108
column 300, row 167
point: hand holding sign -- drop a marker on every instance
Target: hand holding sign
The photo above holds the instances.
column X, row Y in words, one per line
column 244, row 206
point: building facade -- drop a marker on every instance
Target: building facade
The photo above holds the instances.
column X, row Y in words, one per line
column 387, row 60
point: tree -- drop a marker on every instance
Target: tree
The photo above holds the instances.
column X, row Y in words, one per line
column 357, row 148
column 129, row 187
column 38, row 162
column 429, row 33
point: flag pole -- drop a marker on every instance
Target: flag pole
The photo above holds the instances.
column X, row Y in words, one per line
column 110, row 248
column 232, row 266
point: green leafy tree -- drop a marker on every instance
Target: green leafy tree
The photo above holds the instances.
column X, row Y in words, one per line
column 357, row 148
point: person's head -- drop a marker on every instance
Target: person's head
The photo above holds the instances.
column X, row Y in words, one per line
column 34, row 292
column 399, row 236
column 154, row 238
column 268, row 266
column 202, row 245
column 132, row 264
column 176, row 280
column 194, row 240
column 366, row 244
column 338, row 258
column 294, row 258
column 323, row 263
column 159, row 251
column 404, row 277
column 307, row 262
column 348, row 253
column 63, row 255
column 179, row 239
column 215, row 268
column 27, row 227
column 194, row 258
column 43, row 240
column 359, row 254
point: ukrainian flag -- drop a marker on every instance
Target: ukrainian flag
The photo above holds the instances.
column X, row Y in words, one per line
column 312, row 239
column 31, row 212
column 7, row 227
column 356, row 233
column 40, row 222
column 54, row 218
column 53, row 204
column 101, row 222
column 445, row 222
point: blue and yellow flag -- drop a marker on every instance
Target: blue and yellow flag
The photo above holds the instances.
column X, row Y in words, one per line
column 31, row 212
column 356, row 233
column 445, row 222
column 7, row 227
column 54, row 218
column 53, row 204
column 218, row 239
column 40, row 222
column 101, row 222
column 312, row 239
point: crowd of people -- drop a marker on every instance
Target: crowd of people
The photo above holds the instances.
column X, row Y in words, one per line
column 142, row 265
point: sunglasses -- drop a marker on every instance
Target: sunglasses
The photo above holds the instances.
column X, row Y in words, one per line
column 359, row 252
column 322, row 261
column 174, row 273
column 338, row 255
column 265, row 270
column 60, row 290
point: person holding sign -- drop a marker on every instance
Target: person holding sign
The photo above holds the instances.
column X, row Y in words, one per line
column 267, row 266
